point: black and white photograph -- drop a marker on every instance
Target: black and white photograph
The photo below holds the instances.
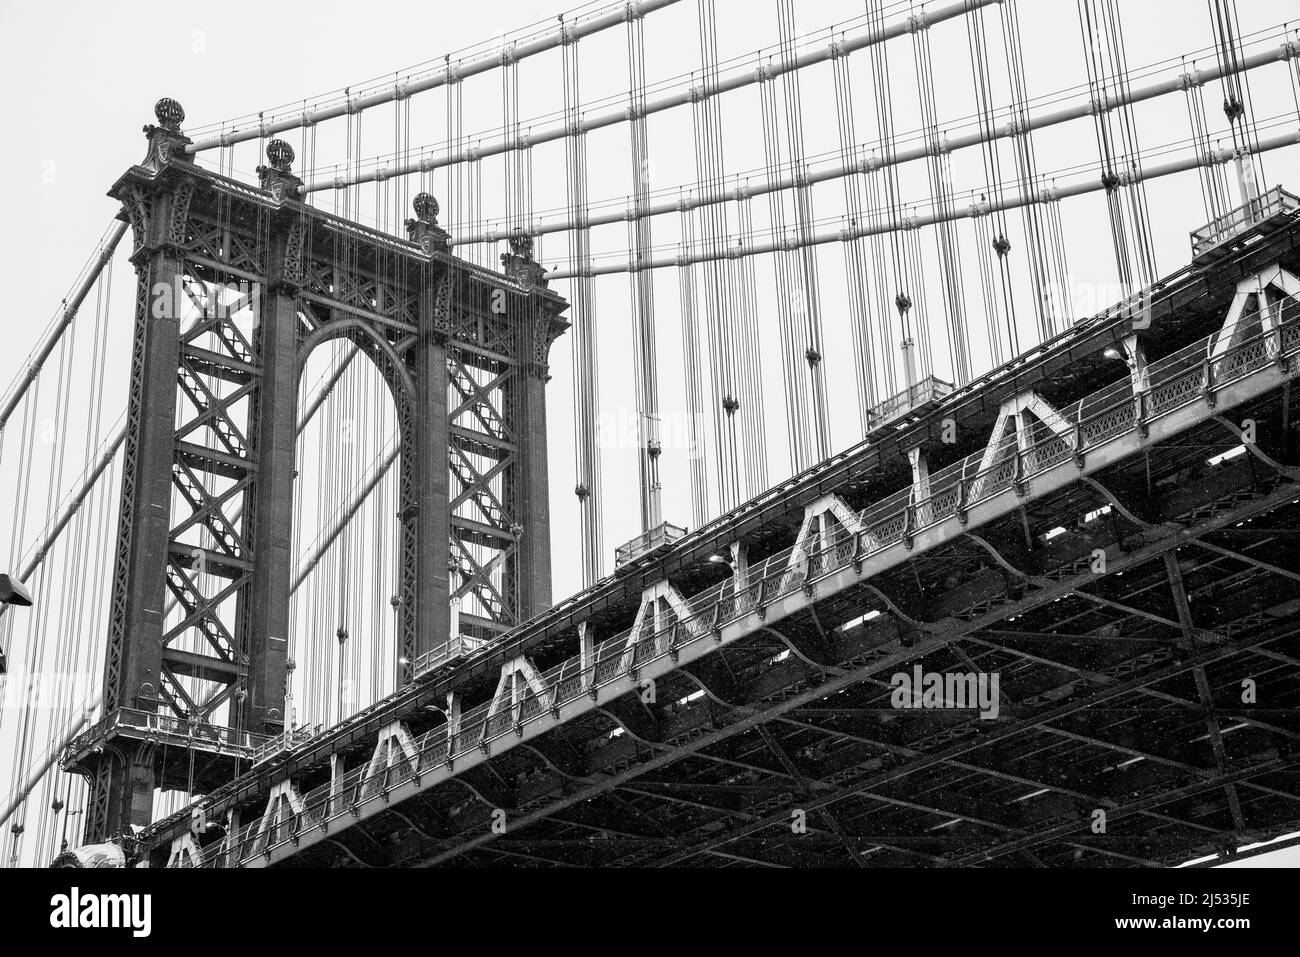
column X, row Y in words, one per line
column 762, row 435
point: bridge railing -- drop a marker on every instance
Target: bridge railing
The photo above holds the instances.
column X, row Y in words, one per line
column 929, row 389
column 1276, row 202
column 456, row 648
column 156, row 724
column 1171, row 382
column 661, row 535
column 285, row 741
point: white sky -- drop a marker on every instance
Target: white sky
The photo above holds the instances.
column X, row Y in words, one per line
column 83, row 78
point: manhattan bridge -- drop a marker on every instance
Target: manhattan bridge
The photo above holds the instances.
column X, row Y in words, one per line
column 882, row 448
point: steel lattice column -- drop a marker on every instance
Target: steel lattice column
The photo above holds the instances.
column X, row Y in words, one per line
column 527, row 484
column 194, row 430
column 429, row 588
column 131, row 674
column 122, row 780
column 533, row 550
column 271, row 514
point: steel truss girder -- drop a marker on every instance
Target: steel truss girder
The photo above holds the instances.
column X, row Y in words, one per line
column 217, row 415
column 1120, row 564
column 1005, row 607
column 484, row 518
column 1170, row 539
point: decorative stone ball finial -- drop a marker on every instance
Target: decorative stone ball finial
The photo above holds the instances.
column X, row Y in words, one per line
column 280, row 154
column 170, row 114
column 521, row 244
column 426, row 208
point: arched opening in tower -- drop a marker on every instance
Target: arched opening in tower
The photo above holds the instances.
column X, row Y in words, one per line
column 346, row 538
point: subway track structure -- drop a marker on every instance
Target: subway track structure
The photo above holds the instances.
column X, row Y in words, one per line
column 1108, row 524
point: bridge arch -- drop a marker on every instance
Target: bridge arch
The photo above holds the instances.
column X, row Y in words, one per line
column 352, row 396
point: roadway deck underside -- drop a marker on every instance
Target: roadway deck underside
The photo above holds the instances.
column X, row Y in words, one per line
column 1147, row 708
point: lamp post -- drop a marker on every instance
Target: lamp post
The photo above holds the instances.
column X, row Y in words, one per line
column 342, row 635
column 1130, row 350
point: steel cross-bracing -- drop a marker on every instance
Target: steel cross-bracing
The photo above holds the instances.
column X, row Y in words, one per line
column 1102, row 537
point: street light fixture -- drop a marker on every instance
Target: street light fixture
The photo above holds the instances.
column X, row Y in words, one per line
column 1121, row 350
column 1131, row 354
column 14, row 592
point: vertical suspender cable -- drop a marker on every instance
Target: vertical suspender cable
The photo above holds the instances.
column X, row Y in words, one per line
column 788, row 298
column 804, row 263
column 726, row 358
column 885, row 124
column 949, row 255
column 646, row 378
column 752, row 406
column 693, row 374
column 585, row 363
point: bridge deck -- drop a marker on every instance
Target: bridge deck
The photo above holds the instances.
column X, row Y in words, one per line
column 776, row 700
column 1188, row 304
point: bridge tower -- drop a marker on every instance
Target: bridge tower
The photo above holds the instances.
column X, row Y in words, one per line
column 236, row 285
